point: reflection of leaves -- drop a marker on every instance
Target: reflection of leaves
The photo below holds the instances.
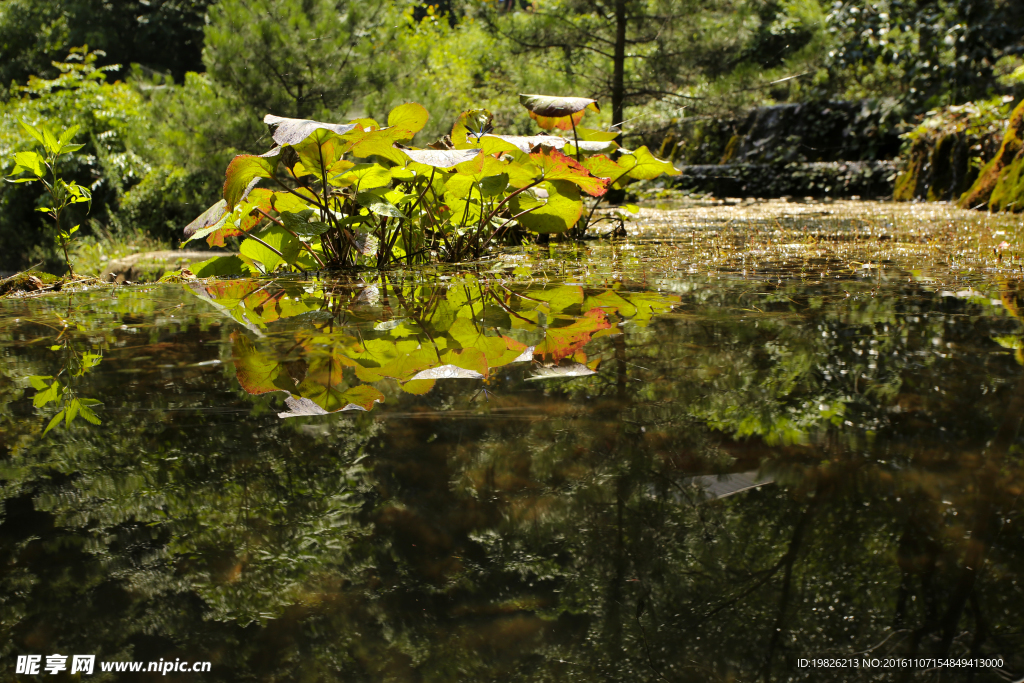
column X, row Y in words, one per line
column 52, row 390
column 446, row 372
column 561, row 342
column 258, row 372
column 445, row 333
column 571, row 370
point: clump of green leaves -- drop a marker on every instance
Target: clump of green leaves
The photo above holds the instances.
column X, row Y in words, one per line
column 334, row 195
column 32, row 166
column 61, row 392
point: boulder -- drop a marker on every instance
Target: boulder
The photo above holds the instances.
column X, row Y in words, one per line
column 1000, row 185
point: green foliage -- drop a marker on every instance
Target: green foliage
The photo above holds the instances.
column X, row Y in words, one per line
column 923, row 55
column 109, row 117
column 61, row 392
column 34, row 167
column 352, row 194
column 161, row 35
column 435, row 332
column 946, row 150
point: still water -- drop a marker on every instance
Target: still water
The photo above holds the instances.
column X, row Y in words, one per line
column 726, row 445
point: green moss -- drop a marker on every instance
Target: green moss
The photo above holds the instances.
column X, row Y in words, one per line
column 730, row 149
column 28, row 281
column 981, row 192
column 1008, row 194
column 908, row 181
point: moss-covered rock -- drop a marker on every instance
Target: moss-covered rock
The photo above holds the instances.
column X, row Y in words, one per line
column 1008, row 194
column 909, row 182
column 28, row 281
column 943, row 153
column 1002, row 171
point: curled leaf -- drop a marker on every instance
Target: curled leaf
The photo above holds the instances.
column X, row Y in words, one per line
column 557, row 112
column 441, row 158
column 447, row 372
column 207, row 219
column 293, row 131
column 570, row 370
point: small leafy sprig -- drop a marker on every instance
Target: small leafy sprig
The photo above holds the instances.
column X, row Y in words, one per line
column 50, row 389
column 43, row 168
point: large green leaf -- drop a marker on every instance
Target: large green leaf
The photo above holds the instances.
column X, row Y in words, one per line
column 379, row 205
column 562, row 207
column 218, row 266
column 278, row 238
column 302, row 226
column 364, row 177
column 643, row 165
column 410, row 117
column 603, row 167
column 380, row 143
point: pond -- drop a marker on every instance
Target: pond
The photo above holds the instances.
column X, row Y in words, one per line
column 751, row 442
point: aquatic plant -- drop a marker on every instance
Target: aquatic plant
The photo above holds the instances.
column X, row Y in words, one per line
column 332, row 195
column 429, row 332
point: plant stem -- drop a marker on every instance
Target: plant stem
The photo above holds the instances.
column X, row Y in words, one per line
column 306, row 246
column 575, row 139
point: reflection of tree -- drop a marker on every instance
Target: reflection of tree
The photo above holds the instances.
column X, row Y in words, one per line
column 551, row 532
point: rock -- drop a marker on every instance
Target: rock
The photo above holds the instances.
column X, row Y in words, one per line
column 29, row 281
column 152, row 265
column 999, row 185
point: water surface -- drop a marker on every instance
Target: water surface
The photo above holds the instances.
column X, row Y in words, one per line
column 743, row 437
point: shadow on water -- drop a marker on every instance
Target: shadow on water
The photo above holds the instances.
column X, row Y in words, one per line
column 666, row 460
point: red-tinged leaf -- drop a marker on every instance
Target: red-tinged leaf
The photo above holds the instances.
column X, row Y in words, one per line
column 293, row 131
column 258, row 372
column 559, row 122
column 365, row 125
column 243, row 171
column 562, row 342
column 244, row 218
column 556, row 166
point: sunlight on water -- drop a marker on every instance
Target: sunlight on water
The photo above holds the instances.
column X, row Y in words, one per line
column 746, row 435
